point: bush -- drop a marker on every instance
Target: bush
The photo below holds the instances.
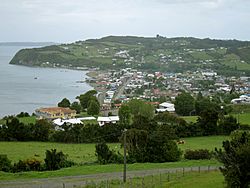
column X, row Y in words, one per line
column 56, row 160
column 5, row 163
column 197, row 154
column 27, row 165
column 106, row 156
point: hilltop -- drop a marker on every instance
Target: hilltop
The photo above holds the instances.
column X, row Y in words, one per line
column 227, row 57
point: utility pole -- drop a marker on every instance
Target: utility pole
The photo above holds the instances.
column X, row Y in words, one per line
column 125, row 160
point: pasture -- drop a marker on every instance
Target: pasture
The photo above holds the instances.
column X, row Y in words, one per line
column 85, row 153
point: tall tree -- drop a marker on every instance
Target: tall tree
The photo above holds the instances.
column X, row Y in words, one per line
column 93, row 108
column 65, row 103
column 184, row 104
column 124, row 115
column 85, row 98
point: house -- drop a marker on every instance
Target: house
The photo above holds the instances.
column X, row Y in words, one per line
column 55, row 113
column 166, row 106
column 59, row 122
column 106, row 120
column 243, row 99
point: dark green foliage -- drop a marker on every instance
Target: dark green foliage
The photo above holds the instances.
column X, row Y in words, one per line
column 5, row 163
column 228, row 125
column 23, row 114
column 236, row 160
column 40, row 131
column 153, row 147
column 197, row 154
column 76, row 106
column 184, row 104
column 124, row 115
column 85, row 98
column 105, row 155
column 65, row 103
column 208, row 122
column 15, row 130
column 161, row 149
column 93, row 107
column 55, row 160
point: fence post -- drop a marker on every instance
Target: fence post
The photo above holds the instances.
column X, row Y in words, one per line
column 183, row 172
column 142, row 182
column 107, row 184
column 191, row 169
column 63, row 185
column 160, row 180
column 199, row 169
column 208, row 168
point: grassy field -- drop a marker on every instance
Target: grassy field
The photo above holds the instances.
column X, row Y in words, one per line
column 25, row 120
column 85, row 153
column 95, row 168
column 206, row 142
column 79, row 153
column 244, row 118
column 190, row 180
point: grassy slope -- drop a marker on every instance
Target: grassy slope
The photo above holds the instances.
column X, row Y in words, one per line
column 190, row 180
column 94, row 169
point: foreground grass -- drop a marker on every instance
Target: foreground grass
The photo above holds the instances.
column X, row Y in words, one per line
column 94, row 169
column 176, row 180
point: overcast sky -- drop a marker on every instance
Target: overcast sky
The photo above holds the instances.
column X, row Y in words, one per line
column 71, row 20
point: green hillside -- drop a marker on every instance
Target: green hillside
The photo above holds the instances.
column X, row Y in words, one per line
column 227, row 57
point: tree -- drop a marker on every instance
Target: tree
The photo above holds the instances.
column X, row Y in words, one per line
column 65, row 103
column 41, row 130
column 184, row 104
column 236, row 160
column 139, row 107
column 76, row 106
column 93, row 108
column 85, row 98
column 208, row 122
column 124, row 115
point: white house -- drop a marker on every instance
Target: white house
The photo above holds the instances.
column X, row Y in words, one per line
column 244, row 99
column 59, row 122
column 104, row 120
column 166, row 106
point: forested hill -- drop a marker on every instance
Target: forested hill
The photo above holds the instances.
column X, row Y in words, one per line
column 227, row 57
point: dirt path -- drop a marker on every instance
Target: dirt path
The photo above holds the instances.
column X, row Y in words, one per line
column 77, row 181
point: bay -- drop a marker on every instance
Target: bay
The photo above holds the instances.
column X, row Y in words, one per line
column 24, row 89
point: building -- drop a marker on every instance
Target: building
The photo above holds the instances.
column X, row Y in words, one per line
column 55, row 113
column 166, row 106
column 106, row 120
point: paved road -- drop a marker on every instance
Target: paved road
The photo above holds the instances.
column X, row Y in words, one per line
column 121, row 89
column 74, row 181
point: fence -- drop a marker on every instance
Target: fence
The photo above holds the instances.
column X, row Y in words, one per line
column 151, row 178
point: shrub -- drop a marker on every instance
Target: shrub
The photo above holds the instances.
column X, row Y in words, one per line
column 197, row 154
column 105, row 155
column 5, row 163
column 55, row 160
column 27, row 165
